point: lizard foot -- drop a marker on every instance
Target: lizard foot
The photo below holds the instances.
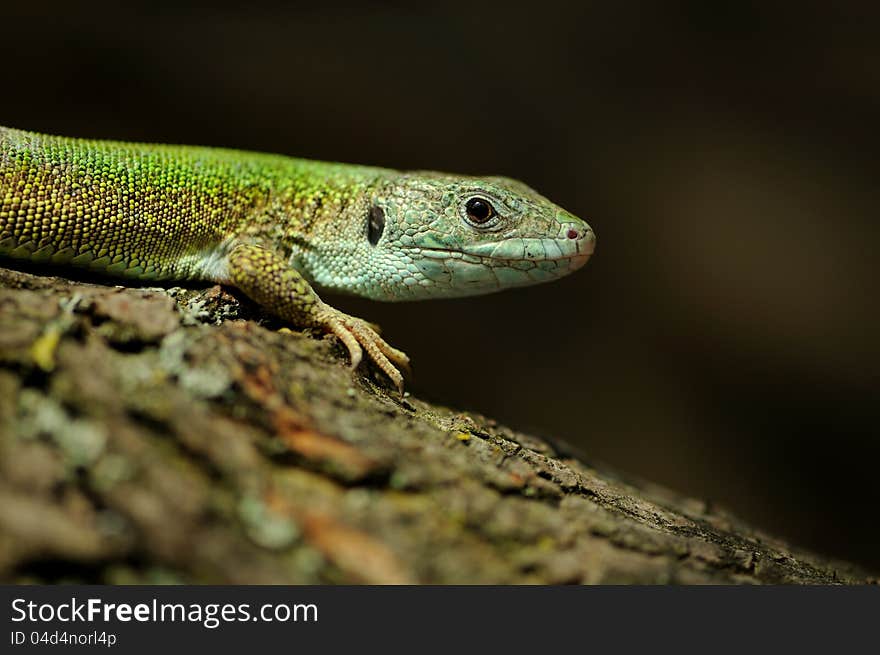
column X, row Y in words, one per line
column 359, row 335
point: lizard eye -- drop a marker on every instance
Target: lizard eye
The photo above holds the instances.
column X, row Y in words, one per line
column 478, row 210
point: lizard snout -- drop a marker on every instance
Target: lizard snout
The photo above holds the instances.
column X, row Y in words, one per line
column 580, row 236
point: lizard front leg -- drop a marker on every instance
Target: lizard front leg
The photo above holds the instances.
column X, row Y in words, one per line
column 270, row 281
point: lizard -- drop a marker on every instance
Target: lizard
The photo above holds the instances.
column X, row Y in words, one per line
column 279, row 228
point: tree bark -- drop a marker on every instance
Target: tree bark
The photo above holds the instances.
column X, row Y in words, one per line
column 173, row 435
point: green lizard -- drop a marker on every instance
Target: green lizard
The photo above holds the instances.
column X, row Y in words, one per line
column 275, row 227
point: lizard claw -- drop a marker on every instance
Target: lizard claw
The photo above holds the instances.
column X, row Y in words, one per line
column 358, row 335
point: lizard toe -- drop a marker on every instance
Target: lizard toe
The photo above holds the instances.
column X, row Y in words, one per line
column 348, row 339
column 359, row 335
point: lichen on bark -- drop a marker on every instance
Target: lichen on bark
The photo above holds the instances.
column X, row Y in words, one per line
column 173, row 435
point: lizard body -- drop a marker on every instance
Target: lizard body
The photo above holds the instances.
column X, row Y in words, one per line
column 276, row 226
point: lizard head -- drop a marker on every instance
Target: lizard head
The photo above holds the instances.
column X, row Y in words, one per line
column 427, row 235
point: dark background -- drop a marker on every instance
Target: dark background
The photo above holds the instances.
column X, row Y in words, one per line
column 723, row 339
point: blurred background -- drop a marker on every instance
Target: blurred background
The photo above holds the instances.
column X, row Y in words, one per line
column 723, row 340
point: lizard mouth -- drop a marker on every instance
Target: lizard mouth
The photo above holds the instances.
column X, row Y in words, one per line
column 575, row 244
column 578, row 258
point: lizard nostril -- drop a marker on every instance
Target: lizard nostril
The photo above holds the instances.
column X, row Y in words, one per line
column 572, row 234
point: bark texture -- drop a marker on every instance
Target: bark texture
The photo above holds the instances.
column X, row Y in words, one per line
column 172, row 435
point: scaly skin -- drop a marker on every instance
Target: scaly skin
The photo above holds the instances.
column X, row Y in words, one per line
column 274, row 226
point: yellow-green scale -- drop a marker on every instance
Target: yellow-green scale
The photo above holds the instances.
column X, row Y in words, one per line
column 151, row 211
